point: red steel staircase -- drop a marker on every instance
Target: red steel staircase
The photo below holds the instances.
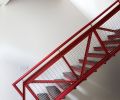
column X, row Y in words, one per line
column 75, row 60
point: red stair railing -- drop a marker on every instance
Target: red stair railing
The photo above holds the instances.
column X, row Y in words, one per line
column 60, row 53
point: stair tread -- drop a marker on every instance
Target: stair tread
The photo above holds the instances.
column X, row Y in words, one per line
column 89, row 62
column 114, row 36
column 98, row 55
column 107, row 47
column 78, row 68
column 69, row 75
column 63, row 85
column 53, row 91
column 117, row 31
column 43, row 96
column 112, row 41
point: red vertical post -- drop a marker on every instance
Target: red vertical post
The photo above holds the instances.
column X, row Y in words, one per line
column 86, row 54
column 24, row 92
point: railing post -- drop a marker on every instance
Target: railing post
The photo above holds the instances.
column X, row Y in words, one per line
column 24, row 92
column 86, row 54
column 101, row 42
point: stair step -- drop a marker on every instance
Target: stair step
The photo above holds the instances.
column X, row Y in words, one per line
column 96, row 55
column 69, row 75
column 63, row 86
column 43, row 96
column 112, row 42
column 88, row 62
column 117, row 31
column 53, row 91
column 114, row 36
column 101, row 49
column 78, row 68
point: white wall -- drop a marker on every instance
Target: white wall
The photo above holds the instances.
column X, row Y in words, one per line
column 91, row 8
column 29, row 30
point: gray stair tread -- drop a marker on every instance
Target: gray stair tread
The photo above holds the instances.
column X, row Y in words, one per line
column 53, row 91
column 112, row 41
column 107, row 47
column 89, row 62
column 114, row 36
column 70, row 75
column 98, row 55
column 78, row 68
column 117, row 31
column 63, row 85
column 43, row 96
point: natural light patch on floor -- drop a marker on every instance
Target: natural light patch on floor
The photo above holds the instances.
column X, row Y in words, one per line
column 82, row 90
column 4, row 2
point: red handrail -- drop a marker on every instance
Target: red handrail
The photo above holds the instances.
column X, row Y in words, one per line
column 44, row 59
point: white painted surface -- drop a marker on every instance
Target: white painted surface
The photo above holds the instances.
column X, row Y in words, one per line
column 4, row 2
column 91, row 8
